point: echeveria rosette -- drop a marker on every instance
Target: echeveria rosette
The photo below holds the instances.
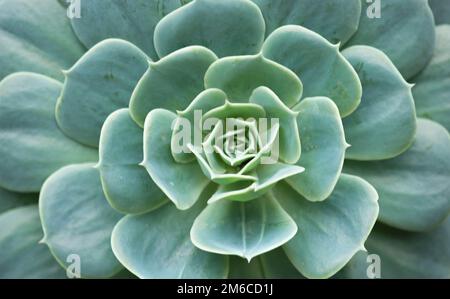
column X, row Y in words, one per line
column 191, row 213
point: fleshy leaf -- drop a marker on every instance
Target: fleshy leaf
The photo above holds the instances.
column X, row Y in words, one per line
column 335, row 20
column 101, row 82
column 413, row 187
column 432, row 89
column 384, row 124
column 318, row 63
column 126, row 184
column 171, row 83
column 22, row 256
column 31, row 145
column 36, row 38
column 412, row 255
column 10, row 200
column 238, row 76
column 134, row 21
column 232, row 27
column 182, row 183
column 441, row 11
column 276, row 265
column 289, row 147
column 242, row 229
column 323, row 145
column 77, row 219
column 404, row 31
column 235, row 110
column 243, row 269
column 357, row 267
column 157, row 245
column 332, row 231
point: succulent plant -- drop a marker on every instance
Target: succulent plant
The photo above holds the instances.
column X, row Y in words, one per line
column 215, row 139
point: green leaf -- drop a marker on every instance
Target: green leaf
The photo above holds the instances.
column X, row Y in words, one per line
column 238, row 77
column 22, row 256
column 31, row 145
column 432, row 89
column 289, row 139
column 332, row 231
column 413, row 187
column 134, row 21
column 126, row 184
column 157, row 245
column 182, row 183
column 77, row 219
column 357, row 267
column 408, row 42
column 276, row 265
column 384, row 124
column 232, row 27
column 242, row 269
column 98, row 84
column 10, row 200
column 336, row 20
column 178, row 77
column 36, row 37
column 412, row 255
column 441, row 11
column 242, row 229
column 323, row 145
column 318, row 63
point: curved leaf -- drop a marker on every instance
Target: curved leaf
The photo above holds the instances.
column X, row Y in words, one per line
column 441, row 11
column 98, row 84
column 31, row 145
column 126, row 184
column 232, row 27
column 336, row 20
column 157, row 245
column 276, row 265
column 404, row 31
column 48, row 49
column 22, row 256
column 178, row 77
column 239, row 76
column 134, row 21
column 10, row 200
column 412, row 255
column 323, row 144
column 318, row 63
column 332, row 231
column 432, row 89
column 242, row 229
column 182, row 183
column 384, row 124
column 413, row 187
column 77, row 219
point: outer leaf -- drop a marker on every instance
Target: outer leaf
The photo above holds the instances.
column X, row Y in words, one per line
column 134, row 21
column 357, row 267
column 46, row 50
column 289, row 139
column 178, row 77
column 182, row 183
column 239, row 76
column 335, row 20
column 275, row 264
column 10, row 200
column 242, row 229
column 98, row 84
column 77, row 220
column 330, row 232
column 126, row 184
column 31, row 145
column 157, row 245
column 406, row 42
column 318, row 63
column 412, row 255
column 432, row 89
column 441, row 11
column 323, row 143
column 414, row 187
column 232, row 27
column 22, row 257
column 384, row 124
column 242, row 269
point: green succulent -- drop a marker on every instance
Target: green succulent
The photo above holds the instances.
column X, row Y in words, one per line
column 216, row 139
